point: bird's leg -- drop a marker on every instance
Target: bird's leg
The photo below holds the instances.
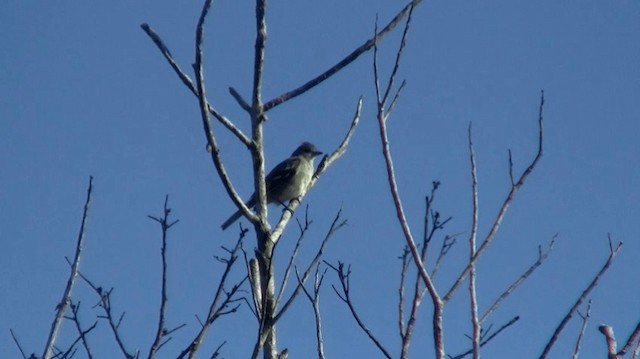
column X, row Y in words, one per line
column 287, row 206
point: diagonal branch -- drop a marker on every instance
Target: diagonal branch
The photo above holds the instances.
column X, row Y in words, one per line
column 186, row 80
column 66, row 296
column 393, row 187
column 345, row 296
column 488, row 339
column 335, row 226
column 15, row 340
column 221, row 301
column 206, row 121
column 294, row 254
column 594, row 282
column 633, row 338
column 541, row 258
column 505, row 206
column 366, row 46
column 583, row 327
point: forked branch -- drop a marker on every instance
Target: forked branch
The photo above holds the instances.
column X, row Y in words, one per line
column 594, row 282
column 515, row 187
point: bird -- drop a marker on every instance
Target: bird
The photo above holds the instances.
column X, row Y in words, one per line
column 286, row 181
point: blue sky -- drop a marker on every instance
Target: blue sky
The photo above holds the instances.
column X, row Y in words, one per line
column 84, row 92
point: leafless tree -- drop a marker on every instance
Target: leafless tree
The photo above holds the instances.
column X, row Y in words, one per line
column 269, row 301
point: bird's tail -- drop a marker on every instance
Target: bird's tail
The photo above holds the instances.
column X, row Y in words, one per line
column 231, row 220
column 234, row 217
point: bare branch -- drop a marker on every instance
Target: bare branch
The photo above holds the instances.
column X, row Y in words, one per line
column 437, row 302
column 216, row 353
column 219, row 305
column 583, row 327
column 607, row 331
column 82, row 334
column 292, row 257
column 345, row 296
column 315, row 303
column 396, row 64
column 403, row 275
column 633, row 338
column 487, row 339
column 257, row 117
column 241, row 101
column 66, row 296
column 447, row 243
column 505, row 206
column 104, row 302
column 335, row 226
column 189, row 83
column 165, row 225
column 366, row 46
column 636, row 351
column 15, row 340
column 475, row 322
column 206, row 121
column 542, row 256
column 418, row 295
column 583, row 296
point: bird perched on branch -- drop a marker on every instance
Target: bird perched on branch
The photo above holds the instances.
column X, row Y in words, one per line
column 288, row 180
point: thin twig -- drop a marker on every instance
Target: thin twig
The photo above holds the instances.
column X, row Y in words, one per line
column 542, row 256
column 165, row 225
column 335, row 226
column 315, row 303
column 345, row 296
column 82, row 334
column 505, row 206
column 216, row 353
column 633, row 338
column 382, row 118
column 404, row 258
column 15, row 340
column 189, row 83
column 418, row 295
column 292, row 257
column 473, row 300
column 447, row 243
column 66, row 296
column 429, row 230
column 104, row 302
column 594, row 282
column 487, row 339
column 366, row 46
column 583, row 327
column 219, row 305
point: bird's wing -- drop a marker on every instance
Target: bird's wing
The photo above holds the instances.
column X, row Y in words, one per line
column 282, row 174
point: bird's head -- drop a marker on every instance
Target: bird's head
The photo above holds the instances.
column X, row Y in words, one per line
column 307, row 150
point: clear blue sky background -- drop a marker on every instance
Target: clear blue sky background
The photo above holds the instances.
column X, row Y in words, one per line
column 84, row 92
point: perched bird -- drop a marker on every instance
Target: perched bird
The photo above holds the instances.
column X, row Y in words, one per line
column 288, row 180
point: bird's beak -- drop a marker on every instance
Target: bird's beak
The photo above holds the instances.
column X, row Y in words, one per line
column 317, row 153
